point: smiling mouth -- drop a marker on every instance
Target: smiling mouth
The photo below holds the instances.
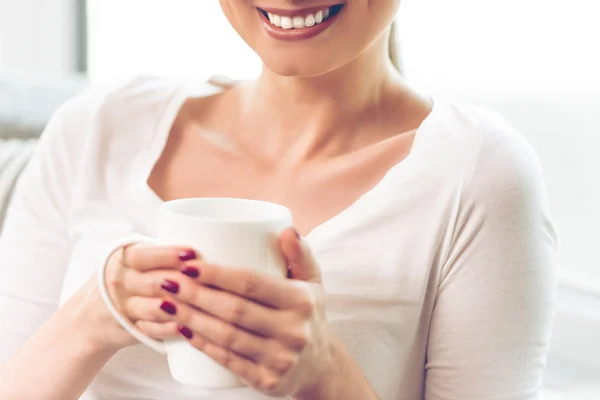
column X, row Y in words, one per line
column 301, row 21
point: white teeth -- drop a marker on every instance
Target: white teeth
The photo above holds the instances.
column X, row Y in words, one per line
column 319, row 17
column 286, row 23
column 299, row 22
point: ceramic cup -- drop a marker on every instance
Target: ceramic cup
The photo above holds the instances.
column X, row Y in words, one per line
column 227, row 232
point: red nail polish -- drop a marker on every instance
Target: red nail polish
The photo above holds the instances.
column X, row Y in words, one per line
column 185, row 331
column 192, row 272
column 187, row 255
column 170, row 286
column 169, row 308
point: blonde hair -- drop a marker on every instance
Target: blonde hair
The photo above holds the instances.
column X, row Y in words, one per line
column 394, row 48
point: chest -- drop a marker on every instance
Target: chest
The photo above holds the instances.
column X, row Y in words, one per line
column 195, row 166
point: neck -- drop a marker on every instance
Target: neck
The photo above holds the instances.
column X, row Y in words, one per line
column 307, row 112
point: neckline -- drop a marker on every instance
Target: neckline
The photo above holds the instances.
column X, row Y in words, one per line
column 403, row 166
column 174, row 107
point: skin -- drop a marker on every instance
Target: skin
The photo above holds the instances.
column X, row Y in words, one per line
column 329, row 115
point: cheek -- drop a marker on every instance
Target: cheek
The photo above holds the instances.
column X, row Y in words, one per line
column 242, row 17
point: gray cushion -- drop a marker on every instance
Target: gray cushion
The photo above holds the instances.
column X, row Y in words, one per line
column 14, row 155
column 25, row 108
column 26, row 105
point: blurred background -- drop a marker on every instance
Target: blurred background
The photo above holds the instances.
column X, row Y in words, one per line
column 535, row 61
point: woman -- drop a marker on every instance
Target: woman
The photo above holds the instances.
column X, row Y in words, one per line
column 428, row 220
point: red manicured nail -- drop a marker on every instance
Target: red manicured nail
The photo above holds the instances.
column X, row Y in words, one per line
column 170, row 286
column 185, row 331
column 169, row 308
column 187, row 255
column 192, row 272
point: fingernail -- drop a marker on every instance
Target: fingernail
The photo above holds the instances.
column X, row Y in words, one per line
column 185, row 331
column 187, row 255
column 169, row 308
column 192, row 272
column 297, row 234
column 170, row 286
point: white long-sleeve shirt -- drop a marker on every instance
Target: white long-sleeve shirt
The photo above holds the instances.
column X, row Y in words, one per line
column 440, row 280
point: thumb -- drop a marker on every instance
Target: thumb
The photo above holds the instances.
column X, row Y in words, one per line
column 301, row 262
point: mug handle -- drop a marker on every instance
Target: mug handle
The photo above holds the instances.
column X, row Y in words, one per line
column 156, row 345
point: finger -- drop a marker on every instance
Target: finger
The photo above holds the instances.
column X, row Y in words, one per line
column 267, row 352
column 148, row 309
column 147, row 256
column 135, row 283
column 265, row 289
column 253, row 374
column 146, row 283
column 287, row 326
column 223, row 333
column 302, row 263
column 153, row 283
column 159, row 330
column 230, row 308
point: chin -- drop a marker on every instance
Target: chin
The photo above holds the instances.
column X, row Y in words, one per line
column 302, row 63
column 300, row 70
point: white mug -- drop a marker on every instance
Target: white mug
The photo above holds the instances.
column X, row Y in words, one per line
column 224, row 231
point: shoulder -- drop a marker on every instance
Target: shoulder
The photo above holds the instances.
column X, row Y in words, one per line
column 494, row 157
column 499, row 198
column 119, row 102
column 109, row 122
column 502, row 187
column 503, row 166
column 123, row 114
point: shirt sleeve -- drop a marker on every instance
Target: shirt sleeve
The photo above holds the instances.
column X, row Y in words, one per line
column 490, row 328
column 35, row 244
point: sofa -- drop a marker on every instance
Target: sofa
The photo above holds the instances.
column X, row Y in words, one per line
column 574, row 363
column 25, row 107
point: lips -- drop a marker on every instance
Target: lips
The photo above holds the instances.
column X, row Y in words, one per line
column 298, row 24
column 300, row 19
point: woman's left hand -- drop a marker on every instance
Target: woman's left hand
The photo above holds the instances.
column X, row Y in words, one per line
column 272, row 332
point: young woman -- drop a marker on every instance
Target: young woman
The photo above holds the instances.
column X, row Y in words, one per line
column 428, row 220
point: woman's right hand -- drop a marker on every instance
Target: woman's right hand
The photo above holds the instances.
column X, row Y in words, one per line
column 137, row 276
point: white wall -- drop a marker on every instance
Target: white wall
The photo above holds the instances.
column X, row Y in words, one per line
column 501, row 46
column 189, row 38
column 37, row 37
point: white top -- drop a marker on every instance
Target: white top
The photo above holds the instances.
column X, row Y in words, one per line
column 439, row 279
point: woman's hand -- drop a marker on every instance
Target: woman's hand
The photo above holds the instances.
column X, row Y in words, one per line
column 136, row 276
column 270, row 331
